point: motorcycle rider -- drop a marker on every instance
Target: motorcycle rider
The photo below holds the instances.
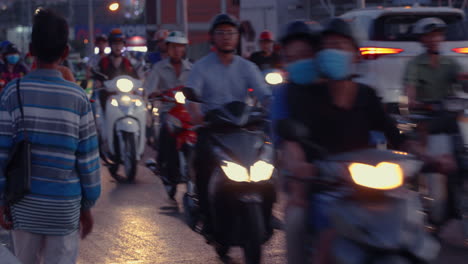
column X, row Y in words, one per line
column 100, row 43
column 166, row 74
column 266, row 58
column 115, row 64
column 161, row 47
column 12, row 68
column 219, row 78
column 346, row 112
column 299, row 44
column 429, row 77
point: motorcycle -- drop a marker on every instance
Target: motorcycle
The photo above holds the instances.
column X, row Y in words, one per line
column 121, row 124
column 241, row 190
column 177, row 122
column 436, row 124
column 375, row 217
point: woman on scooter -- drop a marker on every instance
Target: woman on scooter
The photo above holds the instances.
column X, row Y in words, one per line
column 339, row 114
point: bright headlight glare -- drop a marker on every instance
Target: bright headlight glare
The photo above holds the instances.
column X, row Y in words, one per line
column 114, row 102
column 138, row 102
column 180, row 97
column 384, row 176
column 274, row 78
column 235, row 172
column 261, row 171
column 125, row 85
column 126, row 99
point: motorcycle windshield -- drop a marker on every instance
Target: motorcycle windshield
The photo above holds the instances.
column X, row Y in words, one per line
column 242, row 146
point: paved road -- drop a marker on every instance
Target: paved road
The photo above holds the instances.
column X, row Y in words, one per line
column 135, row 223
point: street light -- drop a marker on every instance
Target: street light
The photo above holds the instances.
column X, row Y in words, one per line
column 114, row 6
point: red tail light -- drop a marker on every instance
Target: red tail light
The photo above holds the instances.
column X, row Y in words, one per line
column 461, row 50
column 372, row 53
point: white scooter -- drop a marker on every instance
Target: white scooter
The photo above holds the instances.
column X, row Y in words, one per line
column 121, row 125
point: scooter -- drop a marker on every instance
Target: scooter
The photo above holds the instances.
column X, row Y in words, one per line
column 376, row 218
column 241, row 190
column 121, row 125
column 183, row 138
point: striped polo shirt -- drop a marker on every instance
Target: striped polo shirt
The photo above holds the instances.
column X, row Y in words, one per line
column 65, row 157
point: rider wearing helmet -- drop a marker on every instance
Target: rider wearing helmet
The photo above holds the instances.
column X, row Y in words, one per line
column 161, row 47
column 430, row 75
column 219, row 78
column 166, row 74
column 100, row 43
column 115, row 64
column 266, row 58
column 12, row 67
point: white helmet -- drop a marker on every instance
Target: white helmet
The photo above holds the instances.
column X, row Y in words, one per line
column 177, row 37
column 428, row 25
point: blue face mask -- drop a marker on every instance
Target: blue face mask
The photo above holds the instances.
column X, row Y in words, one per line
column 335, row 64
column 302, row 71
column 13, row 59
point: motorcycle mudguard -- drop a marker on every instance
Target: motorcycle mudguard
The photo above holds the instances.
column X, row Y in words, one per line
column 127, row 124
column 395, row 224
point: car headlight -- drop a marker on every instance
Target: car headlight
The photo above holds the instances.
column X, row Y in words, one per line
column 125, row 85
column 261, row 171
column 114, row 102
column 384, row 176
column 180, row 97
column 274, row 78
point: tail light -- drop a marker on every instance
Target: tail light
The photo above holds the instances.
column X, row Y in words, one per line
column 461, row 50
column 372, row 53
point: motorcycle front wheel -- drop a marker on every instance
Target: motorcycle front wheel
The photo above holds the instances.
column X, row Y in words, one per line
column 129, row 158
column 256, row 233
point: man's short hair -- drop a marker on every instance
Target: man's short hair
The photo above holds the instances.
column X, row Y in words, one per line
column 49, row 36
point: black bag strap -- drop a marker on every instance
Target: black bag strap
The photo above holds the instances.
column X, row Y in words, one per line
column 20, row 103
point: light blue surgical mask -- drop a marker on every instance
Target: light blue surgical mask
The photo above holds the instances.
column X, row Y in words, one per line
column 335, row 64
column 302, row 71
column 13, row 58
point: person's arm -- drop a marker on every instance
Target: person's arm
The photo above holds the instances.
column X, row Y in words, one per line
column 410, row 80
column 279, row 109
column 6, row 143
column 88, row 167
column 257, row 82
column 193, row 91
column 66, row 73
column 151, row 84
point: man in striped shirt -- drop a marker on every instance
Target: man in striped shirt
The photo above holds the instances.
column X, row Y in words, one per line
column 65, row 171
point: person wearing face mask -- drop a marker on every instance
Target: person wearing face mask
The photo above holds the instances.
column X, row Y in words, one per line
column 339, row 114
column 299, row 45
column 12, row 68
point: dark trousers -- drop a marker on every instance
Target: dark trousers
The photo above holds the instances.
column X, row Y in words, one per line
column 168, row 158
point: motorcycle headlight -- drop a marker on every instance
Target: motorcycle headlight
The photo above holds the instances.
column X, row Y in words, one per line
column 114, row 102
column 235, row 172
column 384, row 176
column 138, row 102
column 261, row 171
column 125, row 85
column 156, row 111
column 274, row 78
column 180, row 97
column 125, row 99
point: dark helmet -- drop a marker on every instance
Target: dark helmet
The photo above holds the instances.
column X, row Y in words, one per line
column 116, row 35
column 340, row 27
column 101, row 38
column 10, row 49
column 223, row 19
column 295, row 29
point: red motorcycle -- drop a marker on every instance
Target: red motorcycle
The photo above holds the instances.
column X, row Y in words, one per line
column 179, row 138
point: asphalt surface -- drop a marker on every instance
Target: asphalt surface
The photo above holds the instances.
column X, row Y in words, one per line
column 136, row 223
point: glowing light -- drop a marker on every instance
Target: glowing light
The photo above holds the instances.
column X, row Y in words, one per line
column 139, row 49
column 235, row 172
column 138, row 102
column 384, row 176
column 274, row 78
column 114, row 6
column 114, row 103
column 126, row 99
column 180, row 97
column 261, row 171
column 125, row 85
